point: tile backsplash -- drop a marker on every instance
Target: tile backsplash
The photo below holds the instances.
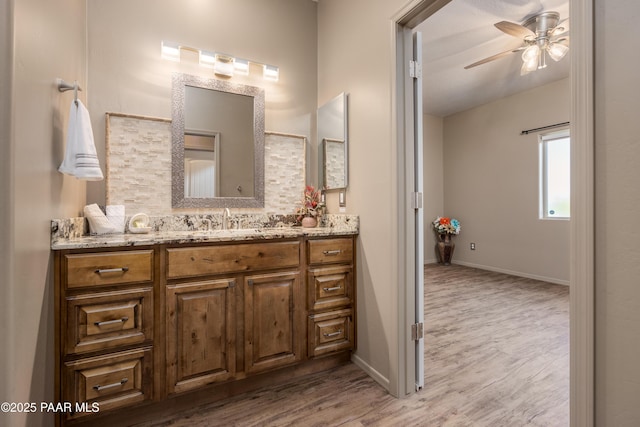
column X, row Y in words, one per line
column 139, row 166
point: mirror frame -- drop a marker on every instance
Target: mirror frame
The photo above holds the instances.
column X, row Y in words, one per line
column 322, row 178
column 178, row 199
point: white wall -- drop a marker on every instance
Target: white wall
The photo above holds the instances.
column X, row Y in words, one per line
column 355, row 53
column 617, row 200
column 433, row 162
column 127, row 74
column 491, row 185
column 49, row 42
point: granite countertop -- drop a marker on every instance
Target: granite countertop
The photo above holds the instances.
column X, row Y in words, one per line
column 71, row 234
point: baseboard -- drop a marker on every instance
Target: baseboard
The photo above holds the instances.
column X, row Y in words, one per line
column 514, row 273
column 377, row 376
column 430, row 261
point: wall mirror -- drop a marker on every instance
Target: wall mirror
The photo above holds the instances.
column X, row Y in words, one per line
column 217, row 136
column 333, row 143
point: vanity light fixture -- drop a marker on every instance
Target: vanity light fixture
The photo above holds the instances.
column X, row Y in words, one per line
column 222, row 64
column 206, row 59
column 170, row 51
column 241, row 67
column 271, row 72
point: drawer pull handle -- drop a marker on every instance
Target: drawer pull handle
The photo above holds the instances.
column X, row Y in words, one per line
column 335, row 288
column 332, row 253
column 104, row 387
column 111, row 322
column 332, row 334
column 112, row 270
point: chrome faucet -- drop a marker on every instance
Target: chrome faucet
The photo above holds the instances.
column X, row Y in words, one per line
column 225, row 219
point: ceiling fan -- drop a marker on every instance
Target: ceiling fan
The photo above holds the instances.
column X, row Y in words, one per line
column 541, row 34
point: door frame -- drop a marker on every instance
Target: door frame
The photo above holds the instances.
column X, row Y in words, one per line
column 582, row 277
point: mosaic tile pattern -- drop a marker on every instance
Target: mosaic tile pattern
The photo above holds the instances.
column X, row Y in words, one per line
column 139, row 165
column 285, row 171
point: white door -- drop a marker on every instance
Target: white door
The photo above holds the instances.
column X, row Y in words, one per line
column 412, row 250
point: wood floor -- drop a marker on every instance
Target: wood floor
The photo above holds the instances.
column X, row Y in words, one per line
column 497, row 354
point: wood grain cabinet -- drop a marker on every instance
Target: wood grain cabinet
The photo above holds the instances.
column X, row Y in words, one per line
column 200, row 334
column 171, row 321
column 204, row 318
column 272, row 319
column 105, row 329
column 330, row 296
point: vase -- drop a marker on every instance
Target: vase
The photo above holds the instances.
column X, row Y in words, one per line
column 309, row 222
column 444, row 248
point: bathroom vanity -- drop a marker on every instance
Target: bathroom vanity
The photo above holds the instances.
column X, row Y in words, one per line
column 182, row 318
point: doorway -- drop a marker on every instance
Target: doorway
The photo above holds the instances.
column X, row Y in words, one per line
column 582, row 247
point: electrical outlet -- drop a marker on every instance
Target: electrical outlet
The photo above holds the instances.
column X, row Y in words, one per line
column 472, row 246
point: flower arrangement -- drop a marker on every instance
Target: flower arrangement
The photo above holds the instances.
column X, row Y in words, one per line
column 446, row 225
column 310, row 203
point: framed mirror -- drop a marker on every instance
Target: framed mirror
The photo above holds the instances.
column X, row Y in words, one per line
column 217, row 136
column 333, row 143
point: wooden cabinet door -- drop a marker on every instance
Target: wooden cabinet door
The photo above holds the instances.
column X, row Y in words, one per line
column 273, row 322
column 200, row 334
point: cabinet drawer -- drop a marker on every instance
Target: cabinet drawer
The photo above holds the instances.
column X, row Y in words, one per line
column 330, row 332
column 330, row 287
column 116, row 380
column 329, row 251
column 107, row 320
column 108, row 268
column 209, row 260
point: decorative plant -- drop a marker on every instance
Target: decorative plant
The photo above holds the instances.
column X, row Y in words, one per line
column 446, row 225
column 310, row 205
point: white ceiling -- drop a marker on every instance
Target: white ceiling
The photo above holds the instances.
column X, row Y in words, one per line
column 462, row 33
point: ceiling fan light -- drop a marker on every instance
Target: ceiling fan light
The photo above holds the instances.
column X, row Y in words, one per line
column 529, row 66
column 557, row 51
column 531, row 53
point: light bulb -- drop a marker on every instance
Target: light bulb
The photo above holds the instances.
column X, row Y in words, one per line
column 531, row 53
column 223, row 65
column 207, row 59
column 557, row 51
column 241, row 66
column 529, row 66
column 271, row 72
column 170, row 51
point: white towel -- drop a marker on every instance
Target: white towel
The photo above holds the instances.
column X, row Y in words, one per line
column 80, row 159
column 115, row 215
column 98, row 221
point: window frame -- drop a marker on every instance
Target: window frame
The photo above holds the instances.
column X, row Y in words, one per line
column 543, row 203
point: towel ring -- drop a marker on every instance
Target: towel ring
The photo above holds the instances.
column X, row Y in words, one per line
column 64, row 86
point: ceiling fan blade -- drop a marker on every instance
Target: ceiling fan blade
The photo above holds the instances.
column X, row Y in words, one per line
column 515, row 30
column 494, row 57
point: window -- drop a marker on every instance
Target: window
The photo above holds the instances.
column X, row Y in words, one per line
column 555, row 175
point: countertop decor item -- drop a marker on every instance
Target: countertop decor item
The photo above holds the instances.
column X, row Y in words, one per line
column 139, row 224
column 445, row 227
column 311, row 207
